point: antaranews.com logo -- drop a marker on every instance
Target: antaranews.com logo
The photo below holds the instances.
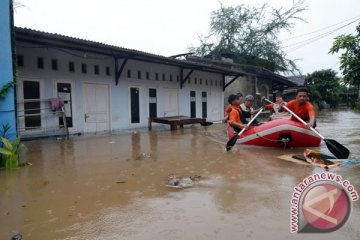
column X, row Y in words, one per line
column 321, row 203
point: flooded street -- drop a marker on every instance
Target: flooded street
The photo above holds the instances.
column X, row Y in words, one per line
column 113, row 186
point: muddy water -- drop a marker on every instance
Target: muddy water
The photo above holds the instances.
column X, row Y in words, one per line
column 112, row 187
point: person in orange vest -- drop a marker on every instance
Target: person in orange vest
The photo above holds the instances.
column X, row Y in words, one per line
column 302, row 107
column 229, row 107
column 234, row 116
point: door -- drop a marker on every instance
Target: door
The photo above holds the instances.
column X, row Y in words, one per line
column 64, row 91
column 171, row 105
column 96, row 107
column 215, row 105
column 152, row 103
column 192, row 104
column 204, row 104
column 135, row 105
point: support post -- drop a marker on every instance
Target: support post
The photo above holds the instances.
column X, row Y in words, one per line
column 118, row 71
column 231, row 81
column 183, row 80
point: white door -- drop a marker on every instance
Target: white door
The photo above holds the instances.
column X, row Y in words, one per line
column 171, row 104
column 96, row 107
column 215, row 105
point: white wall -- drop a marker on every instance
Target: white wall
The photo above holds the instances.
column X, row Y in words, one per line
column 120, row 94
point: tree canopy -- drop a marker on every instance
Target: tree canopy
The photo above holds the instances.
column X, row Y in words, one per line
column 249, row 35
column 324, row 85
column 350, row 58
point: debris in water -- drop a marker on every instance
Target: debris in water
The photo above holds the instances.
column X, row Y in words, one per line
column 180, row 182
column 45, row 183
column 195, row 177
column 143, row 156
column 121, row 182
column 17, row 237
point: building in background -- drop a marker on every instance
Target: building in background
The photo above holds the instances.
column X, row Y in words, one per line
column 107, row 88
column 257, row 81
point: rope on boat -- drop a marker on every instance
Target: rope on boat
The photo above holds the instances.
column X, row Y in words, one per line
column 283, row 140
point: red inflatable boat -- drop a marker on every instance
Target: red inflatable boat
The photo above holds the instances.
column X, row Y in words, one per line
column 278, row 133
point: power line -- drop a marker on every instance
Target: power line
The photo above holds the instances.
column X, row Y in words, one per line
column 296, row 46
column 321, row 29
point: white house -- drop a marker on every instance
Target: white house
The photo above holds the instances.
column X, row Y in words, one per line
column 107, row 88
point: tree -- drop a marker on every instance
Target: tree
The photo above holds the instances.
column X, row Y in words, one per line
column 324, row 85
column 249, row 35
column 350, row 58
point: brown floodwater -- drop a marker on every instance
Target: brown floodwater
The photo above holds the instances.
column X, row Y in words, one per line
column 112, row 186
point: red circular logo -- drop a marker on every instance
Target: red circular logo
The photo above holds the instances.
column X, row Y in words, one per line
column 326, row 206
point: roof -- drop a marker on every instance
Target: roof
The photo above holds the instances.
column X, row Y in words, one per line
column 77, row 44
column 298, row 80
column 260, row 72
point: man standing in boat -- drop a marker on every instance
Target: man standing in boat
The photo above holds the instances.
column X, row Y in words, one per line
column 302, row 107
column 234, row 116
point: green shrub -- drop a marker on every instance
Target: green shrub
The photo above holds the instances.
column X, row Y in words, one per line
column 10, row 152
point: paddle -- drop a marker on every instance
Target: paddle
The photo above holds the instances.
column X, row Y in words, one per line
column 233, row 140
column 334, row 147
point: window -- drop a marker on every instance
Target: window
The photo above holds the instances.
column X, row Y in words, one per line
column 195, row 81
column 107, row 71
column 129, row 73
column 71, row 67
column 206, row 82
column 147, row 75
column 200, row 81
column 139, row 74
column 189, row 80
column 83, row 68
column 211, row 82
column 156, row 76
column 40, row 63
column 171, row 78
column 177, row 78
column 32, row 105
column 215, row 83
column 163, row 77
column 96, row 70
column 54, row 64
column 20, row 60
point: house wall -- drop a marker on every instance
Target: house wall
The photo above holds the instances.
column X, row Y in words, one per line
column 7, row 107
column 119, row 95
column 249, row 85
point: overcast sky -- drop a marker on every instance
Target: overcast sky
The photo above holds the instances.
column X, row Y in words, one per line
column 169, row 27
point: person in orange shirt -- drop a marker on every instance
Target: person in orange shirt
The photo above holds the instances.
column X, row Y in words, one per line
column 234, row 116
column 229, row 107
column 302, row 107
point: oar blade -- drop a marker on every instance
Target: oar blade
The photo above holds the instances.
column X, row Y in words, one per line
column 339, row 150
column 231, row 142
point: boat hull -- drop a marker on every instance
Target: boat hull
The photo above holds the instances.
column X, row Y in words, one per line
column 278, row 133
